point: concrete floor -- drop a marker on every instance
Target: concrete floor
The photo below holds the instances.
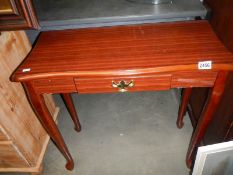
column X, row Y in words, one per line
column 122, row 133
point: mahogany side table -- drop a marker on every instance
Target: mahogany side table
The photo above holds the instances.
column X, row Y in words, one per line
column 126, row 58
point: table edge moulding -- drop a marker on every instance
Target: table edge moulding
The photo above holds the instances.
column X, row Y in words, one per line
column 141, row 57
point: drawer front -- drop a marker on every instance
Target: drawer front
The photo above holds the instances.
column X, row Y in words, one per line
column 55, row 85
column 10, row 156
column 135, row 83
column 193, row 79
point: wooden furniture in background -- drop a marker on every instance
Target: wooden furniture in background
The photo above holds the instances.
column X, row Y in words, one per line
column 23, row 140
column 221, row 128
column 125, row 58
column 17, row 14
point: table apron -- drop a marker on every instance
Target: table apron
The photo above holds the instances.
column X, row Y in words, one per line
column 104, row 84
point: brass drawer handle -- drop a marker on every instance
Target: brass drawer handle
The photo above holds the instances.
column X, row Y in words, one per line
column 122, row 85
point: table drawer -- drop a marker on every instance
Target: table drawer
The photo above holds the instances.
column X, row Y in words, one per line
column 121, row 84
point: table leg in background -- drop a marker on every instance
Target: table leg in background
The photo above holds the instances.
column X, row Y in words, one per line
column 183, row 106
column 71, row 109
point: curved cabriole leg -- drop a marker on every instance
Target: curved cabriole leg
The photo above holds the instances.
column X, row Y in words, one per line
column 71, row 108
column 206, row 116
column 42, row 113
column 183, row 106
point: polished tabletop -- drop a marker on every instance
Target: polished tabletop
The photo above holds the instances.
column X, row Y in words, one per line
column 126, row 50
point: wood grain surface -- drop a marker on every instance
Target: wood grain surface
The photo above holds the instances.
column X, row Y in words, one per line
column 11, row 157
column 18, row 124
column 125, row 50
column 3, row 134
column 15, row 47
